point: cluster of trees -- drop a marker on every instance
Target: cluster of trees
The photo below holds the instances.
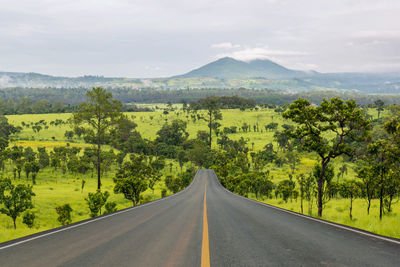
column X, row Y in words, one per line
column 23, row 100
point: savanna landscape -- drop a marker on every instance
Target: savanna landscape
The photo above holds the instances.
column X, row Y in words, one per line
column 251, row 150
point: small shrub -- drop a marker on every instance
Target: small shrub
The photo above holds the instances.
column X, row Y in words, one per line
column 163, row 192
column 96, row 201
column 29, row 219
column 110, row 207
column 64, row 214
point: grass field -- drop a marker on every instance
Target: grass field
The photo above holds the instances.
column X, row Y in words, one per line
column 53, row 188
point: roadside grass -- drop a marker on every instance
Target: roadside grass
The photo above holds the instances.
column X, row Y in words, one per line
column 337, row 210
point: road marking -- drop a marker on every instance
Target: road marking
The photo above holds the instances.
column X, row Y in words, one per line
column 51, row 232
column 205, row 246
column 312, row 218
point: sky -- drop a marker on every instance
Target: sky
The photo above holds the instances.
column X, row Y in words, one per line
column 160, row 38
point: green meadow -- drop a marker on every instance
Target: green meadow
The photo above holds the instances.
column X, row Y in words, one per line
column 54, row 188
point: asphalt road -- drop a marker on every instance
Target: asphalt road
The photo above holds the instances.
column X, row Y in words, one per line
column 169, row 232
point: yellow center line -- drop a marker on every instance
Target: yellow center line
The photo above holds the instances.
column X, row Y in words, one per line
column 205, row 248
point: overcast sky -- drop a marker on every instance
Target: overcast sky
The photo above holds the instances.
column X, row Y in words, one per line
column 156, row 38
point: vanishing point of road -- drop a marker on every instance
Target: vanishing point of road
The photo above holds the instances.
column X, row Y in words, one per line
column 204, row 225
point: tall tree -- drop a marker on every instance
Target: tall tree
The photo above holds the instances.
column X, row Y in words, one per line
column 213, row 114
column 326, row 129
column 380, row 106
column 97, row 115
column 351, row 190
column 6, row 130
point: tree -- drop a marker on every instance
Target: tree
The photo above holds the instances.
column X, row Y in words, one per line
column 182, row 158
column 368, row 184
column 35, row 168
column 380, row 154
column 380, row 106
column 293, row 159
column 132, row 178
column 301, row 179
column 44, row 158
column 351, row 190
column 342, row 171
column 96, row 201
column 212, row 115
column 15, row 199
column 327, row 130
column 6, row 130
column 286, row 188
column 69, row 135
column 173, row 134
column 97, row 115
column 64, row 214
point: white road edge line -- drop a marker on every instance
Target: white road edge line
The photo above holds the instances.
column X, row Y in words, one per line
column 97, row 219
column 313, row 219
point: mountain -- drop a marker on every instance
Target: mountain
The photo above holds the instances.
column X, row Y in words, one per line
column 229, row 68
column 224, row 73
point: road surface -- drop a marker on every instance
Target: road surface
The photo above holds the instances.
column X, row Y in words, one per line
column 201, row 226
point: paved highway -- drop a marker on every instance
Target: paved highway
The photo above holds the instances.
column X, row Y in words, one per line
column 201, row 226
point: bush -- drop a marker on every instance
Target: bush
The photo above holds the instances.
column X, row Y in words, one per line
column 64, row 214
column 96, row 201
column 29, row 219
column 110, row 207
column 163, row 192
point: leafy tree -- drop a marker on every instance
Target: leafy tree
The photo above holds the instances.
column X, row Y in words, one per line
column 182, row 158
column 64, row 214
column 35, row 168
column 15, row 199
column 368, row 184
column 326, row 130
column 29, row 154
column 301, row 179
column 6, row 130
column 309, row 191
column 132, row 179
column 380, row 106
column 201, row 155
column 343, row 170
column 293, row 159
column 380, row 157
column 286, row 188
column 44, row 158
column 98, row 114
column 271, row 126
column 173, row 134
column 351, row 190
column 96, row 201
column 212, row 115
column 69, row 134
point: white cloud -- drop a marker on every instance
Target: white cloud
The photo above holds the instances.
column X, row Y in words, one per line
column 225, row 45
column 251, row 53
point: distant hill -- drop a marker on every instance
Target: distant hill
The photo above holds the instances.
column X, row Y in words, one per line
column 229, row 68
column 224, row 73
